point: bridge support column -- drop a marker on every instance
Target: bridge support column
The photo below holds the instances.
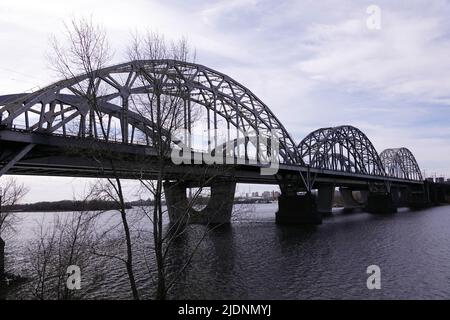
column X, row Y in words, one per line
column 381, row 203
column 364, row 196
column 325, row 198
column 349, row 201
column 441, row 194
column 447, row 193
column 401, row 196
column 220, row 205
column 418, row 200
column 396, row 197
column 297, row 209
column 176, row 201
column 217, row 211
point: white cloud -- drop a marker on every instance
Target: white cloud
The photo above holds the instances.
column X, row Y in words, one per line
column 315, row 64
column 408, row 56
column 218, row 9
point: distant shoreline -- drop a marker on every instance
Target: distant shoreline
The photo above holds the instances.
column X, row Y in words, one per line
column 65, row 206
column 97, row 205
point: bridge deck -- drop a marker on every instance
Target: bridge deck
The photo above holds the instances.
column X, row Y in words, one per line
column 55, row 155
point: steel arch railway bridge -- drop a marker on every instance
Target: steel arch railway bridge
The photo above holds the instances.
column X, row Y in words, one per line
column 53, row 131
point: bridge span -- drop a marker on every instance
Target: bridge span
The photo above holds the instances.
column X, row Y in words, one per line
column 70, row 127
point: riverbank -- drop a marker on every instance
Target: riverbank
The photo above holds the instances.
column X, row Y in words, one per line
column 65, row 205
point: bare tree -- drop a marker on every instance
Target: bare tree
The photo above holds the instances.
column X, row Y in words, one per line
column 112, row 190
column 166, row 109
column 58, row 244
column 166, row 114
column 10, row 193
column 166, row 236
column 85, row 51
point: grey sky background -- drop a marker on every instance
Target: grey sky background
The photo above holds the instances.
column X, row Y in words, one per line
column 314, row 63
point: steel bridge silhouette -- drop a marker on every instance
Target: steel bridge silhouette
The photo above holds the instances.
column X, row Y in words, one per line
column 51, row 132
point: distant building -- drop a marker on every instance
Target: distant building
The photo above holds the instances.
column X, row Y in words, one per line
column 267, row 195
column 440, row 180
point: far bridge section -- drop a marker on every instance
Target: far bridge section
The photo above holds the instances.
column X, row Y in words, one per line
column 95, row 125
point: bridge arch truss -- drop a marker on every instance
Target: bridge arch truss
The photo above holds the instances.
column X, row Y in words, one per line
column 401, row 163
column 221, row 102
column 344, row 148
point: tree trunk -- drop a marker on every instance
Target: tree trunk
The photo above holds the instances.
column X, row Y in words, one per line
column 2, row 259
column 123, row 214
column 129, row 263
column 158, row 242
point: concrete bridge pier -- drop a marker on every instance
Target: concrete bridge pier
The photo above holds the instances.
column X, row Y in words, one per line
column 325, row 198
column 441, row 195
column 217, row 211
column 434, row 193
column 364, row 196
column 294, row 208
column 381, row 203
column 396, row 197
column 446, row 193
column 404, row 197
column 418, row 200
column 349, row 201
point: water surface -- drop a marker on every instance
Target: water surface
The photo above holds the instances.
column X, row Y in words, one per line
column 254, row 258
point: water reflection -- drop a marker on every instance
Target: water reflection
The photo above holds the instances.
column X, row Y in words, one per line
column 253, row 258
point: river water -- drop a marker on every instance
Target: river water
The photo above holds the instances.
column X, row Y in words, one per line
column 254, row 258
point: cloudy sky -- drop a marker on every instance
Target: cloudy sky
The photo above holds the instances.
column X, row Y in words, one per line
column 314, row 63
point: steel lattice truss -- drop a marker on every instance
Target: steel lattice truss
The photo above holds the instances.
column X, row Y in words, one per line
column 61, row 109
column 343, row 148
column 65, row 109
column 401, row 163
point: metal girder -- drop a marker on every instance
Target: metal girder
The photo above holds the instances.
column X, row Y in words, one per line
column 61, row 113
column 343, row 148
column 60, row 107
column 401, row 163
column 59, row 152
column 17, row 157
